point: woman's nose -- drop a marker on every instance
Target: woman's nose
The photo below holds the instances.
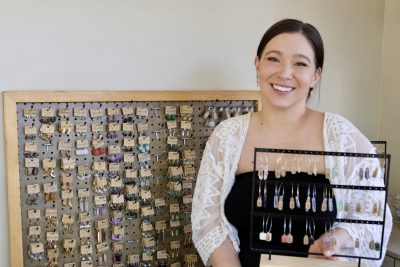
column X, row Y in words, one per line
column 285, row 71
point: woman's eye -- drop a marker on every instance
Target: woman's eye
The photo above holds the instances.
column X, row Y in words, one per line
column 301, row 64
column 273, row 59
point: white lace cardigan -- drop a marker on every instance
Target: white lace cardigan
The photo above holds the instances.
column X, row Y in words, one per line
column 217, row 175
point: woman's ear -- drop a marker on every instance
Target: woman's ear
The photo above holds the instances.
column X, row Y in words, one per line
column 257, row 63
column 316, row 77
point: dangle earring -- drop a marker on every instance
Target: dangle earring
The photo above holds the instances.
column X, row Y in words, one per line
column 330, row 199
column 289, row 235
column 291, row 201
column 280, row 200
column 311, row 228
column 263, row 235
column 308, row 201
column 314, row 200
column 265, row 177
column 324, row 201
column 284, row 236
column 305, row 238
column 260, row 178
column 297, row 197
column 276, row 196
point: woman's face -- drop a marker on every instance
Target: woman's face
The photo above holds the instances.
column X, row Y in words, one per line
column 286, row 70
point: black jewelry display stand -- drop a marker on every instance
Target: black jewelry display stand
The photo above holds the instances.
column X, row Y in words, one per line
column 257, row 213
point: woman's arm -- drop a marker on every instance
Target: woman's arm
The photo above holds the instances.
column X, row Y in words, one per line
column 225, row 255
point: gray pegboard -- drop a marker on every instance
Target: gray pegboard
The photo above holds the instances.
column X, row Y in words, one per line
column 132, row 227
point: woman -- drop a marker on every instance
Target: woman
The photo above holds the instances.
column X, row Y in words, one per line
column 288, row 65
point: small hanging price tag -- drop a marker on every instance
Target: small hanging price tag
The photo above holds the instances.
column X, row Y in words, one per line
column 142, row 111
column 99, row 166
column 144, row 173
column 144, row 140
column 129, row 142
column 83, row 192
column 170, row 110
column 100, row 200
column 132, row 205
column 36, row 248
column 102, row 247
column 133, row 258
column 69, row 243
column 29, row 112
column 96, row 112
column 131, row 189
column 49, row 187
column 29, row 130
column 114, row 149
column 33, row 189
column 174, row 208
column 175, row 244
column 186, row 125
column 52, row 236
column 67, row 219
column 30, row 147
column 81, row 128
column 64, row 112
column 130, row 174
column 186, row 110
column 32, row 162
column 34, row 214
column 101, row 224
column 86, row 263
column 127, row 127
column 114, row 167
column 144, row 157
column 147, row 226
column 47, row 112
column 117, row 199
column 50, row 212
column 34, row 231
column 86, row 249
column 141, row 127
column 172, row 140
column 67, row 194
column 162, row 255
column 145, row 194
column 161, row 225
column 85, row 233
column 97, row 127
column 82, row 143
column 128, row 110
column 147, row 211
column 129, row 158
column 173, row 155
column 80, row 112
column 112, row 111
column 113, row 127
column 159, row 202
column 148, row 242
column 97, row 143
column 116, row 182
column 64, row 146
column 47, row 128
column 147, row 257
column 172, row 125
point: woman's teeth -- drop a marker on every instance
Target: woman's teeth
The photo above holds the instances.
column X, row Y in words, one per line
column 281, row 88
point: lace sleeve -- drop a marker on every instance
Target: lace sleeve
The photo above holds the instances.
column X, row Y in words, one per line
column 360, row 204
column 208, row 230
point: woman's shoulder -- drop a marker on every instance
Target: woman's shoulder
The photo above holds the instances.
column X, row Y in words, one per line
column 340, row 130
column 232, row 125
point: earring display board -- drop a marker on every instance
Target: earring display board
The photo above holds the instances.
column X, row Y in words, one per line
column 294, row 205
column 106, row 178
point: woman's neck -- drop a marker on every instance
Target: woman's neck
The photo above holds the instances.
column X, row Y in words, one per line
column 283, row 119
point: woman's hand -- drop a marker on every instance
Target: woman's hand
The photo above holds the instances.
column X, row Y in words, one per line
column 329, row 244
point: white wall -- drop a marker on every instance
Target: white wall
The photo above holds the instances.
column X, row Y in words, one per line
column 390, row 109
column 49, row 44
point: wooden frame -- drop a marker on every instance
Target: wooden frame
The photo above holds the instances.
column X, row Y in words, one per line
column 12, row 98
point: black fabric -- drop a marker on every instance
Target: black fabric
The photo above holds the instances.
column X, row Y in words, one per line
column 238, row 213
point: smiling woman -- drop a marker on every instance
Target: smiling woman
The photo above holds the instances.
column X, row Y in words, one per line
column 288, row 65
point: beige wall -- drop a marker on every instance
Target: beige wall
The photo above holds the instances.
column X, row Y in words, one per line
column 132, row 44
column 390, row 108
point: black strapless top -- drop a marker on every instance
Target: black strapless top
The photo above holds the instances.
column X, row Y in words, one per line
column 238, row 213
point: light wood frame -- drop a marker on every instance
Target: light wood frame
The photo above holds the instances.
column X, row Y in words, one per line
column 12, row 98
